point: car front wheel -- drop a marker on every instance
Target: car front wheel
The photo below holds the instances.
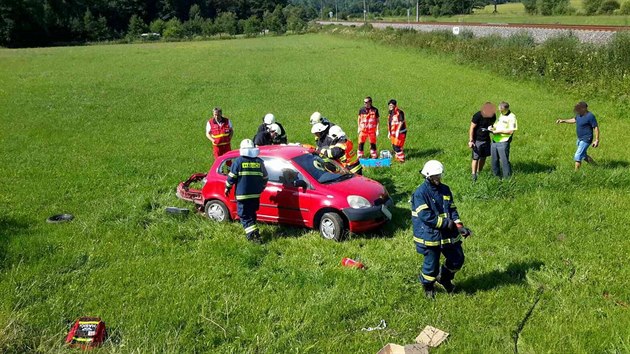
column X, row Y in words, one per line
column 217, row 211
column 331, row 226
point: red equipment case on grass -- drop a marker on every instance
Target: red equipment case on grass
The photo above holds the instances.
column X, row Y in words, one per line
column 87, row 333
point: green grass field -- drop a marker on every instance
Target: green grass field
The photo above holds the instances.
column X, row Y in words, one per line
column 515, row 13
column 106, row 133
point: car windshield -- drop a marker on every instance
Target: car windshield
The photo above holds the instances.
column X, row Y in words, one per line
column 323, row 170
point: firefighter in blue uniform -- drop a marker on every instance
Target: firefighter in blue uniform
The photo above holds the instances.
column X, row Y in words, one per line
column 437, row 230
column 249, row 175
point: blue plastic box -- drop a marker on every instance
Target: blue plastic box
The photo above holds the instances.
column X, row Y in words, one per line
column 376, row 162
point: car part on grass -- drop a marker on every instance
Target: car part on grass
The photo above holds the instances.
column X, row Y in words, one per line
column 59, row 218
column 177, row 211
column 87, row 333
column 351, row 263
column 381, row 325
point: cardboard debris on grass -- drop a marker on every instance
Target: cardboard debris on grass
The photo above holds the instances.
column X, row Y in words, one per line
column 430, row 337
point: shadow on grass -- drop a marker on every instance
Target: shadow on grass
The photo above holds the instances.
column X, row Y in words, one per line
column 8, row 228
column 285, row 231
column 421, row 154
column 527, row 167
column 613, row 164
column 513, row 275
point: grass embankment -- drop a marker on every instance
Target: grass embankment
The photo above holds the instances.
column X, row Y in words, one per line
column 106, row 132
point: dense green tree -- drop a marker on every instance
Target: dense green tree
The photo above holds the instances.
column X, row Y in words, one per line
column 226, row 22
column 136, row 27
column 252, row 26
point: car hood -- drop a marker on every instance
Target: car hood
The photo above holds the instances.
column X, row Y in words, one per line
column 359, row 185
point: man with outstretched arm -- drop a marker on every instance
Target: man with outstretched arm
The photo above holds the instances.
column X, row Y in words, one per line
column 585, row 124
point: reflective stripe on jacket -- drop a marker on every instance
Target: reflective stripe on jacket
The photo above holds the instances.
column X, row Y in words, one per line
column 368, row 119
column 220, row 131
column 344, row 152
column 249, row 175
column 431, row 209
column 396, row 124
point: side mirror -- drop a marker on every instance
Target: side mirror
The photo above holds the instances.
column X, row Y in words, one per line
column 299, row 183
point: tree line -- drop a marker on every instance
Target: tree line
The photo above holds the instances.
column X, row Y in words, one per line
column 25, row 23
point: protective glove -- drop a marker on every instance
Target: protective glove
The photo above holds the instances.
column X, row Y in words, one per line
column 226, row 192
column 464, row 231
column 450, row 225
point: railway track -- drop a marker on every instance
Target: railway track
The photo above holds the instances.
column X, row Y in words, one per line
column 539, row 32
column 479, row 24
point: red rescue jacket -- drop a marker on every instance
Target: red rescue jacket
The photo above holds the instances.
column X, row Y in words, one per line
column 220, row 131
column 396, row 123
column 368, row 119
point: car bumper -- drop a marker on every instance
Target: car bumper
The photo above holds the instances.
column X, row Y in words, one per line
column 365, row 219
column 184, row 191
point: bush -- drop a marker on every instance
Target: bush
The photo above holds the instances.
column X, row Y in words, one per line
column 157, row 26
column 174, row 29
column 226, row 23
column 275, row 21
column 252, row 26
column 136, row 27
column 608, row 7
column 530, row 6
column 552, row 7
column 95, row 29
column 591, row 6
column 209, row 29
column 625, row 8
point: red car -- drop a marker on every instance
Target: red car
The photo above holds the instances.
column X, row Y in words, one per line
column 303, row 190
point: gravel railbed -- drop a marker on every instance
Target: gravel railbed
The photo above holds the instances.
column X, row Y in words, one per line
column 539, row 34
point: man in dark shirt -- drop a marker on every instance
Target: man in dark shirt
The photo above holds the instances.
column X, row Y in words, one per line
column 479, row 137
column 585, row 124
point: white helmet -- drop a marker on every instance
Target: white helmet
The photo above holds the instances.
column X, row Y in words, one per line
column 336, row 132
column 432, row 168
column 318, row 128
column 269, row 119
column 316, row 118
column 248, row 148
column 274, row 128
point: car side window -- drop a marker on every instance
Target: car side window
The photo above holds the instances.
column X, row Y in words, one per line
column 281, row 171
column 225, row 167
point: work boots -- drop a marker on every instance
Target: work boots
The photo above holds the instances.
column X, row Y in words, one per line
column 254, row 237
column 446, row 283
column 429, row 291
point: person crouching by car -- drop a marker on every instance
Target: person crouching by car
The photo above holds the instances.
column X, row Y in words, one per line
column 269, row 136
column 341, row 150
column 268, row 120
column 249, row 175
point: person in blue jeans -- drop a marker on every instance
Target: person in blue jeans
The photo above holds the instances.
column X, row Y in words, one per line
column 586, row 128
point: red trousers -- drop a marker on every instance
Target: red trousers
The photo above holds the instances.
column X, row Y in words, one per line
column 220, row 149
column 364, row 135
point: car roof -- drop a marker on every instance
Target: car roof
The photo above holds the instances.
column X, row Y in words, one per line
column 284, row 151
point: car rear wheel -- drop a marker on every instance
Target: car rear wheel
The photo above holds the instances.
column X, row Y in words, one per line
column 217, row 211
column 331, row 226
